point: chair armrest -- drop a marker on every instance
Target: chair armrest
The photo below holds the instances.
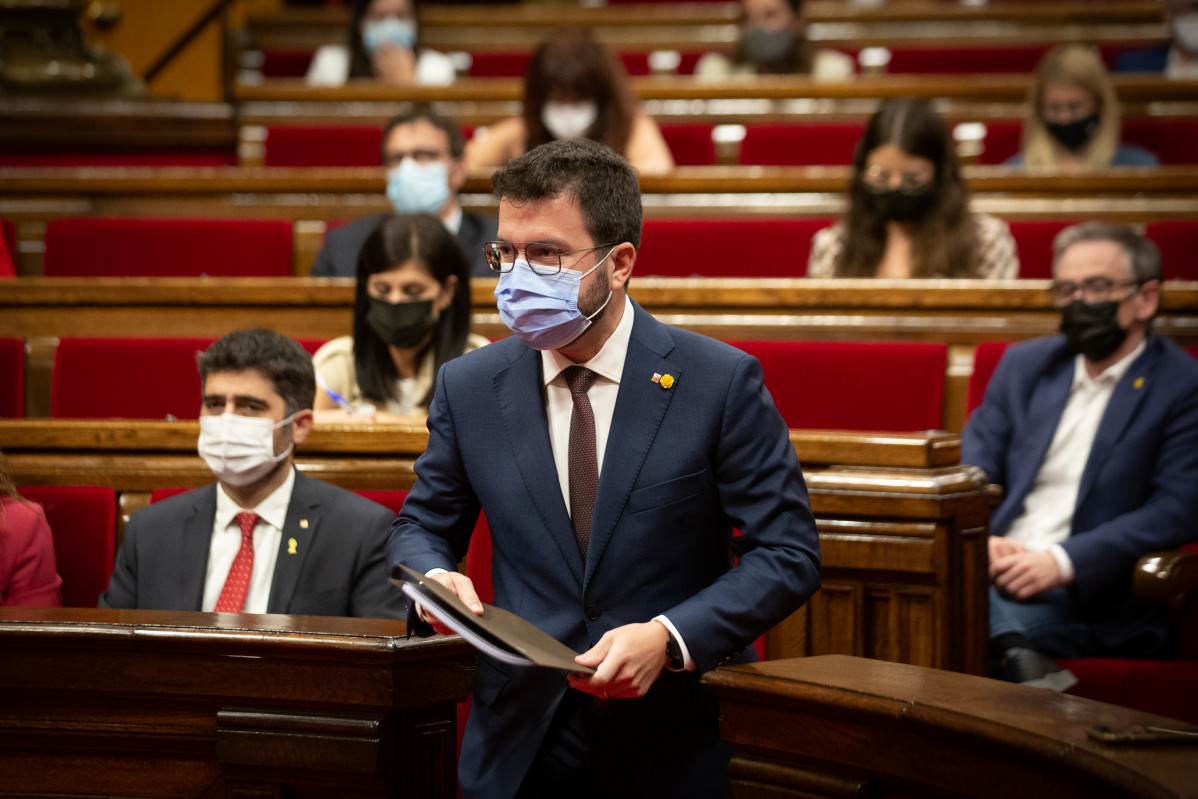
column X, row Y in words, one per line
column 1166, row 578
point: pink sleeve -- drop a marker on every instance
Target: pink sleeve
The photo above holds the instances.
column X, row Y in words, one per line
column 28, row 573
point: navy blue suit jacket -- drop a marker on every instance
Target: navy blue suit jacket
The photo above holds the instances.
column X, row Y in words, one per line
column 1139, row 488
column 339, row 255
column 682, row 468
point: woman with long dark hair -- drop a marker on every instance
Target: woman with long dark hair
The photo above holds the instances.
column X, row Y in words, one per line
column 908, row 209
column 384, row 44
column 411, row 314
column 575, row 88
column 773, row 41
column 28, row 570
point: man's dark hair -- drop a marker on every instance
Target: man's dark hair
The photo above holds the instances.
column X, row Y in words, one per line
column 285, row 363
column 451, row 129
column 602, row 182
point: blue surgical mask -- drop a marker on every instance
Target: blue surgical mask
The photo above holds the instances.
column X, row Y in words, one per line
column 416, row 188
column 542, row 311
column 389, row 30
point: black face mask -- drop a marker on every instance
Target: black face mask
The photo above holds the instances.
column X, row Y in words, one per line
column 762, row 46
column 1092, row 329
column 1074, row 135
column 401, row 324
column 900, row 206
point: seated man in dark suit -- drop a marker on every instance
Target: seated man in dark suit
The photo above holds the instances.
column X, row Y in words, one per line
column 1093, row 436
column 264, row 539
column 1176, row 58
column 422, row 151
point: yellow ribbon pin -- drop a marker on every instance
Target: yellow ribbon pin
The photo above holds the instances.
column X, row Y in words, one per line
column 291, row 545
column 1139, row 384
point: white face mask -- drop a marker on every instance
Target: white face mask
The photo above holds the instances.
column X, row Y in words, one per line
column 1185, row 29
column 569, row 120
column 240, row 449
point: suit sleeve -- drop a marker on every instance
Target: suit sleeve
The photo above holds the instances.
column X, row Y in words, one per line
column 763, row 494
column 987, row 436
column 122, row 586
column 323, row 265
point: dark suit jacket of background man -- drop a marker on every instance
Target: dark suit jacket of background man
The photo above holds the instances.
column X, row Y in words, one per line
column 337, row 569
column 339, row 256
column 682, row 467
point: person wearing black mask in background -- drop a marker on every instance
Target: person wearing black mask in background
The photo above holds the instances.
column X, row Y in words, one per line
column 908, row 209
column 773, row 42
column 411, row 314
column 1075, row 117
column 1093, row 436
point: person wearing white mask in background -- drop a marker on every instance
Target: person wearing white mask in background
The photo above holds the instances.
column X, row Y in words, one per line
column 574, row 89
column 264, row 538
column 773, row 42
column 384, row 44
column 1176, row 58
column 422, row 151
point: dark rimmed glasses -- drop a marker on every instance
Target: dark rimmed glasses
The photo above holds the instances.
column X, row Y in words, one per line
column 543, row 259
column 1093, row 290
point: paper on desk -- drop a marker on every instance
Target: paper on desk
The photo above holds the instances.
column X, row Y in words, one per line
column 498, row 633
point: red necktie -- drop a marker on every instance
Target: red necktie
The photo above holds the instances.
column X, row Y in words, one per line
column 584, row 467
column 237, row 584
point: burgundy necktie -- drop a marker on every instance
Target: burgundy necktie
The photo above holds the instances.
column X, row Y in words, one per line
column 584, row 467
column 237, row 584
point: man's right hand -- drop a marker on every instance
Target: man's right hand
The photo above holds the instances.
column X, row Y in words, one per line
column 1001, row 547
column 463, row 587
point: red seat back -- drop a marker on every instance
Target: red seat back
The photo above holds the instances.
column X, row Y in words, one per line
column 83, row 520
column 690, row 144
column 985, row 360
column 12, row 378
column 1033, row 240
column 715, row 247
column 824, row 144
column 1004, row 138
column 854, row 385
column 129, row 378
column 85, row 247
column 8, row 249
column 1173, row 141
column 1178, row 243
column 323, row 145
column 962, row 60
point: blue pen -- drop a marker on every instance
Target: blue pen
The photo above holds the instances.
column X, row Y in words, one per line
column 341, row 401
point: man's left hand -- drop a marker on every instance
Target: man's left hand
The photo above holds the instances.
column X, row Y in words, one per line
column 627, row 660
column 1024, row 574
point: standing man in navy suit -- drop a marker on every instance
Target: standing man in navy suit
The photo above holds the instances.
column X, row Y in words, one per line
column 613, row 456
column 1093, row 436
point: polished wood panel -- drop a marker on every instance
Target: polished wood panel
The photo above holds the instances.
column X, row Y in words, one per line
column 162, row 703
column 839, row 726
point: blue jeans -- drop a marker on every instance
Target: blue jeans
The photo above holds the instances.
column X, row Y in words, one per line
column 1054, row 623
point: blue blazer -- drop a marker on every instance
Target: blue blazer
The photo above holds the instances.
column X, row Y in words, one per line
column 682, row 468
column 342, row 246
column 1139, row 488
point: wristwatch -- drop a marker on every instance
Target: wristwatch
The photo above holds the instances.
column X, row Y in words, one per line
column 674, row 653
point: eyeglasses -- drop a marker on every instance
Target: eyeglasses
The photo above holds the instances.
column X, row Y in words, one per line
column 544, row 259
column 394, row 158
column 877, row 178
column 1093, row 289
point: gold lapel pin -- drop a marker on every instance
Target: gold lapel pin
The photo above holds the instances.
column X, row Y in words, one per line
column 656, row 377
column 1139, row 384
column 667, row 381
column 291, row 546
column 303, row 524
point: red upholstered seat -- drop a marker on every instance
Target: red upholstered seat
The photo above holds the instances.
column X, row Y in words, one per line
column 285, row 63
column 93, row 246
column 823, row 144
column 159, row 494
column 323, row 145
column 722, row 247
column 8, row 249
column 12, row 378
column 1174, row 141
column 690, row 144
column 1033, row 240
column 129, row 378
column 963, row 60
column 854, row 385
column 985, row 360
column 83, row 520
column 1178, row 243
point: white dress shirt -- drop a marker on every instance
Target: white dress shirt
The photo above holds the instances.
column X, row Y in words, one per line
column 1048, row 509
column 226, row 542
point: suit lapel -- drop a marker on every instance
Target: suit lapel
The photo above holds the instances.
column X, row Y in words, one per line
column 1046, row 405
column 521, row 398
column 640, row 406
column 195, row 546
column 1128, row 394
column 300, row 526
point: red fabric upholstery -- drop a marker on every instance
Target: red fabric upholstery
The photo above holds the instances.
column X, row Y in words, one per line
column 1164, row 687
column 130, row 378
column 286, row 63
column 1033, row 240
column 159, row 494
column 8, row 249
column 1003, row 139
column 12, row 378
column 1174, row 141
column 86, row 247
column 691, row 145
column 854, row 385
column 985, row 360
column 323, row 145
column 965, row 60
column 1178, row 243
column 720, row 247
column 83, row 520
column 391, row 500
column 824, row 144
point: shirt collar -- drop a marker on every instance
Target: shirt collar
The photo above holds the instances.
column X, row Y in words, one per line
column 272, row 510
column 453, row 220
column 1109, row 376
column 607, row 363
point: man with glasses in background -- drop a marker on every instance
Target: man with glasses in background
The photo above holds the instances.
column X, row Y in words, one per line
column 422, row 152
column 613, row 456
column 1093, row 436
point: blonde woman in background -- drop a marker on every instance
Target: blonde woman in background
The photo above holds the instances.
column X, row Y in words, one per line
column 1075, row 120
